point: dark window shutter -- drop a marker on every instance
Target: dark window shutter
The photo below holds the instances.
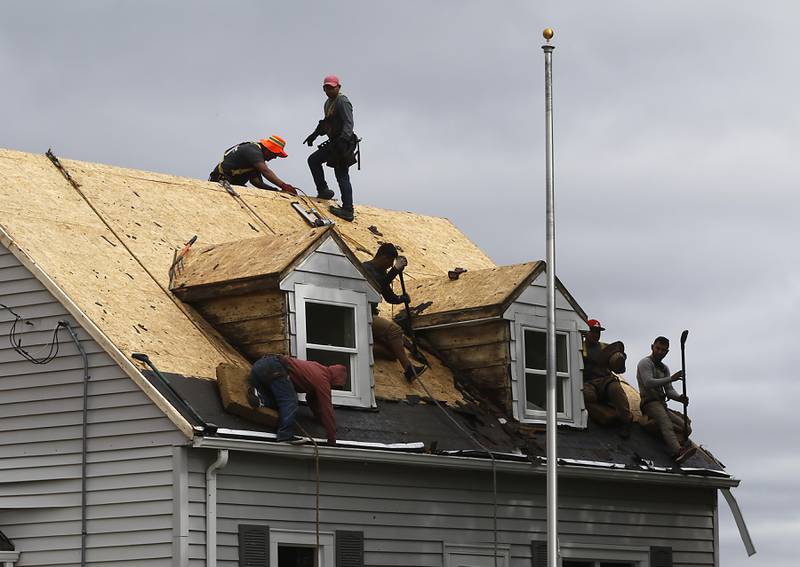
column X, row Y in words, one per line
column 539, row 554
column 349, row 549
column 253, row 545
column 660, row 557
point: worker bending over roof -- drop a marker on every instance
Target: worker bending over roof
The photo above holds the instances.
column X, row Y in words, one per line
column 382, row 269
column 655, row 387
column 275, row 381
column 603, row 395
column 338, row 151
column 248, row 162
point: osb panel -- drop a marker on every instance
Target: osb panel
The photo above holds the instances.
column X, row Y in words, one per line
column 433, row 245
column 390, row 384
column 472, row 290
column 47, row 218
column 233, row 381
column 155, row 214
column 244, row 259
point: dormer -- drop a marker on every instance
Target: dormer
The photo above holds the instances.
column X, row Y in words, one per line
column 301, row 294
column 490, row 327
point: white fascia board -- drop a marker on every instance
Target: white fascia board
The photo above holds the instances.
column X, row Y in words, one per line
column 361, row 454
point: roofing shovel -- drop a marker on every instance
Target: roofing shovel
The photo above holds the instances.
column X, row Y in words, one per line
column 207, row 427
column 409, row 327
column 684, row 336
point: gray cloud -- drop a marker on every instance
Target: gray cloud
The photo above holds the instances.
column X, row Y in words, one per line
column 676, row 132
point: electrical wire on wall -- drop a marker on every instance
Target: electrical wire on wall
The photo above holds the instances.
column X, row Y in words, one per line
column 16, row 342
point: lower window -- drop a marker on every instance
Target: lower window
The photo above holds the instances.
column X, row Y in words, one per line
column 290, row 548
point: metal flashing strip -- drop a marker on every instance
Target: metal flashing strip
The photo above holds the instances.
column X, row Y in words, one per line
column 737, row 516
column 362, row 453
column 241, row 433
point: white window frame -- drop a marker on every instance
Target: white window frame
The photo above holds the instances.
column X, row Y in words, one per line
column 360, row 375
column 639, row 556
column 298, row 538
column 485, row 550
column 528, row 414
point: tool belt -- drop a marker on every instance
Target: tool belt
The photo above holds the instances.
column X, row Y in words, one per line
column 343, row 152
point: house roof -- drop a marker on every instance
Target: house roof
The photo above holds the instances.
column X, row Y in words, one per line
column 108, row 245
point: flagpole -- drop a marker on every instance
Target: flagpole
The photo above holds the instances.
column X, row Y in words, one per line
column 552, row 453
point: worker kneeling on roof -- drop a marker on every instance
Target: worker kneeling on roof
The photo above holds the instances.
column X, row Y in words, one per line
column 275, row 381
column 248, row 162
column 382, row 269
column 603, row 395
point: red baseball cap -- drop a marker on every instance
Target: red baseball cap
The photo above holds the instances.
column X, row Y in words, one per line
column 331, row 80
column 595, row 324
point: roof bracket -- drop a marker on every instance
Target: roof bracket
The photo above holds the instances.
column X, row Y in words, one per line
column 311, row 215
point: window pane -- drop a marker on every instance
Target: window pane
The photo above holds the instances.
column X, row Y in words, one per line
column 328, row 357
column 536, row 351
column 576, row 563
column 536, row 392
column 296, row 556
column 333, row 325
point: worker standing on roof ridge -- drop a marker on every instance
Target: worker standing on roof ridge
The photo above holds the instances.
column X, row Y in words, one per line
column 655, row 388
column 382, row 269
column 275, row 381
column 603, row 394
column 338, row 151
column 248, row 162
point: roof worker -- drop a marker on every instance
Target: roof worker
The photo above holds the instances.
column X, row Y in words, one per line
column 603, row 394
column 338, row 151
column 248, row 162
column 655, row 387
column 275, row 381
column 382, row 269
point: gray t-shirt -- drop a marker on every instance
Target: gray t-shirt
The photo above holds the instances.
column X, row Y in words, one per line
column 655, row 381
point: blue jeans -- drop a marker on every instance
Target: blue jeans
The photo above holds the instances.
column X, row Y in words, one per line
column 315, row 162
column 278, row 393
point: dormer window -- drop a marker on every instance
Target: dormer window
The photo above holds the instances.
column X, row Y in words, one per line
column 332, row 328
column 535, row 369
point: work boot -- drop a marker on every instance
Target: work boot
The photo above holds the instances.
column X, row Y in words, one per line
column 412, row 372
column 342, row 213
column 325, row 193
column 254, row 398
column 685, row 452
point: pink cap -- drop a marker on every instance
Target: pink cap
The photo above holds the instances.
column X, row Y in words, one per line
column 331, row 80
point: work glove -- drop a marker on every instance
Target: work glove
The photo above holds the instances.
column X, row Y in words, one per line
column 310, row 140
column 291, row 189
column 400, row 263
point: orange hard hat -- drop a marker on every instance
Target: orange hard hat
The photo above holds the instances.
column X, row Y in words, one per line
column 275, row 144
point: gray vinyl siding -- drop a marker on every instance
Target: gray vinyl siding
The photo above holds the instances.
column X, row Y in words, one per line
column 407, row 514
column 130, row 471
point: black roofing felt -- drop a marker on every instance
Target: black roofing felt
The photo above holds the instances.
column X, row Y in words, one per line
column 416, row 420
column 5, row 543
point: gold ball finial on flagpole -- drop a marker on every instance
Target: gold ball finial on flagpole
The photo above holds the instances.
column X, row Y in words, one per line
column 548, row 34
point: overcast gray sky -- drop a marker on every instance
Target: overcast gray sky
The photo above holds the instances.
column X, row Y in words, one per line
column 676, row 129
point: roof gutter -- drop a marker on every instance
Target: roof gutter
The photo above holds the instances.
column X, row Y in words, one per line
column 347, row 454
